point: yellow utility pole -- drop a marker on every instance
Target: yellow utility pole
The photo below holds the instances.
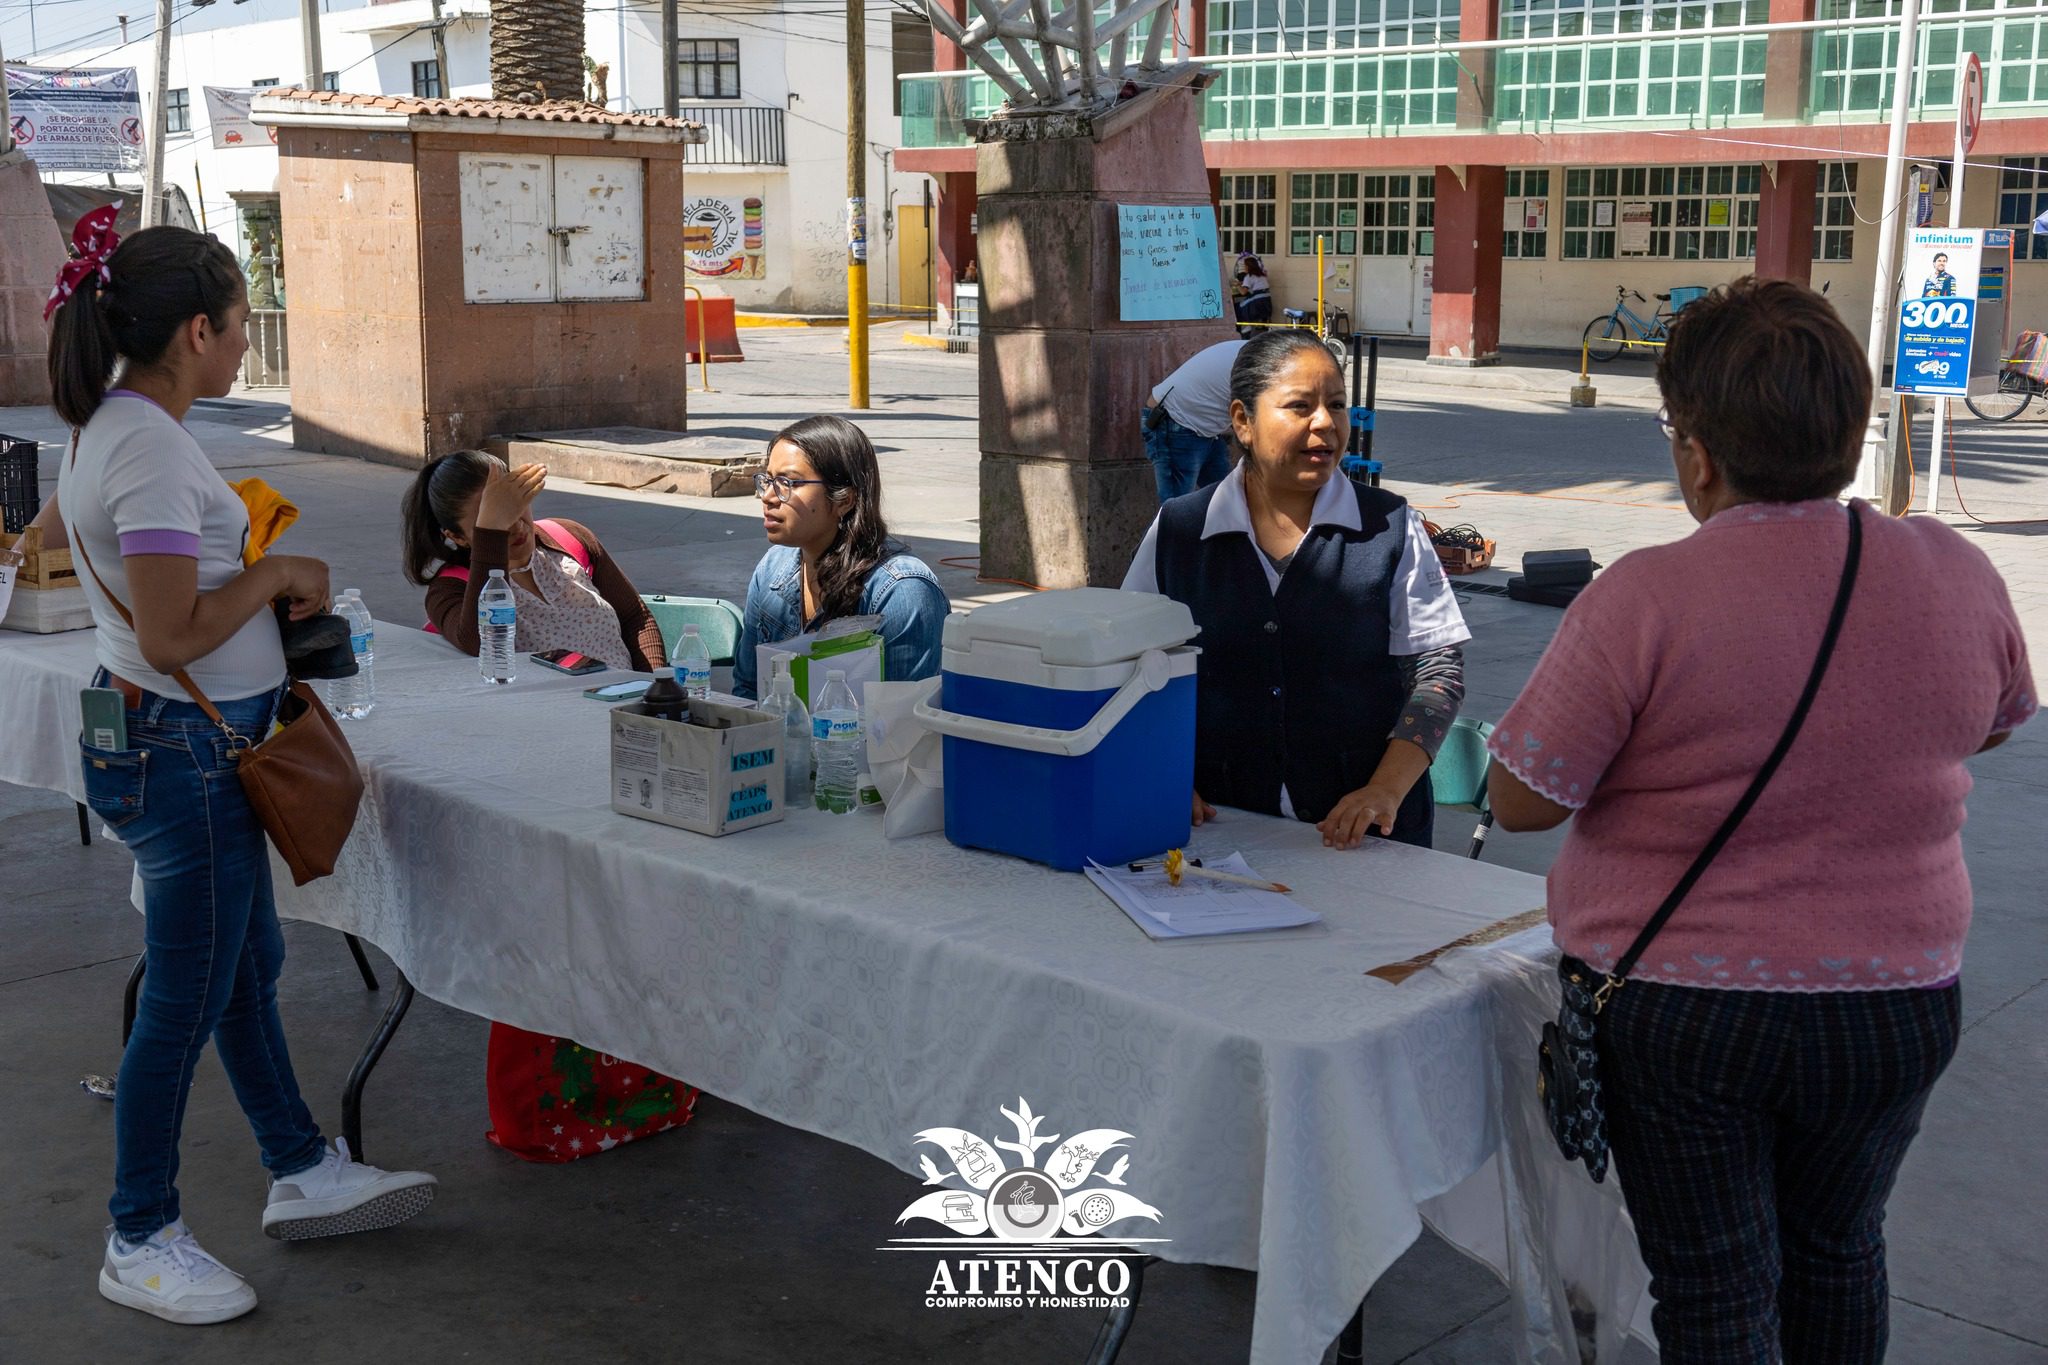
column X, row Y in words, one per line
column 857, row 203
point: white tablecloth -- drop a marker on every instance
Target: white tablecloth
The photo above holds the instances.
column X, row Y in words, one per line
column 1290, row 1114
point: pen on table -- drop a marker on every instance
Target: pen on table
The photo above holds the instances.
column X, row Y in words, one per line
column 1194, row 869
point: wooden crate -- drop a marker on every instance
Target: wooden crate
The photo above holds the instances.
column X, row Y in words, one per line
column 43, row 570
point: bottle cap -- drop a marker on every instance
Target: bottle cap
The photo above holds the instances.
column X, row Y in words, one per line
column 835, row 675
column 689, row 630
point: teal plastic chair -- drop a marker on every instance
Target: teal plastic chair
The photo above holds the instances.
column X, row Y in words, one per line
column 717, row 621
column 1458, row 777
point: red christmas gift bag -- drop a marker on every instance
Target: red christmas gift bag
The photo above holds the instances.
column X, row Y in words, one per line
column 555, row 1100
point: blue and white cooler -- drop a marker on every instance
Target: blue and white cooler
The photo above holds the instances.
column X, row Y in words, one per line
column 1069, row 726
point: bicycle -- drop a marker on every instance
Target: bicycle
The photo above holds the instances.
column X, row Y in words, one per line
column 2015, row 391
column 1607, row 335
column 1338, row 342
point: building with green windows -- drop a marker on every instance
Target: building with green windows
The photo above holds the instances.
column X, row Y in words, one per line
column 1487, row 171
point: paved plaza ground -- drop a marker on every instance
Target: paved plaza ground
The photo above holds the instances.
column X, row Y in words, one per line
column 739, row 1240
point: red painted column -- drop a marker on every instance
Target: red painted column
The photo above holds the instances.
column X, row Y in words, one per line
column 1784, row 229
column 1478, row 21
column 1787, row 69
column 945, row 56
column 1464, row 319
column 953, row 232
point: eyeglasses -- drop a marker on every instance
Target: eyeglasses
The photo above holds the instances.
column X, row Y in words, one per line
column 1664, row 424
column 784, row 486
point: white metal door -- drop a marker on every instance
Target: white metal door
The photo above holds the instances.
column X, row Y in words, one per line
column 1386, row 295
column 506, row 213
column 599, row 228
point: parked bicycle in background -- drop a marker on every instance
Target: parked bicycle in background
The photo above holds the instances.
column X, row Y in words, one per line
column 2019, row 379
column 1608, row 335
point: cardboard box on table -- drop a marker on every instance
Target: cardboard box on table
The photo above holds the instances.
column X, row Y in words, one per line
column 719, row 772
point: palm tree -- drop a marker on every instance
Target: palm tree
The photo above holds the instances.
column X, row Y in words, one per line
column 537, row 49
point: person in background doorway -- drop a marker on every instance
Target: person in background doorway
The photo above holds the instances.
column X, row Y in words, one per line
column 1254, row 294
column 1766, row 1066
column 1187, row 422
column 467, row 514
column 830, row 555
column 1331, row 666
column 158, row 537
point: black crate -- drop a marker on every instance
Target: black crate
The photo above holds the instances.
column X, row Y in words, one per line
column 19, row 500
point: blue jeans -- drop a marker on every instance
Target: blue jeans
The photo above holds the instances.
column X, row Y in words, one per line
column 213, row 944
column 1183, row 461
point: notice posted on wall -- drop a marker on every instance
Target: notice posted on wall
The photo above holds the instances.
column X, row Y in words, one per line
column 1636, row 218
column 88, row 119
column 1937, row 311
column 1167, row 264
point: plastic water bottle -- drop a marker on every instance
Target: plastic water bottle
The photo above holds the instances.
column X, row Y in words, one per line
column 783, row 701
column 692, row 663
column 352, row 698
column 497, row 631
column 841, row 749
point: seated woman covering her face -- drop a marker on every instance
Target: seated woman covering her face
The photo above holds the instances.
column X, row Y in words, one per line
column 1330, row 668
column 830, row 555
column 466, row 511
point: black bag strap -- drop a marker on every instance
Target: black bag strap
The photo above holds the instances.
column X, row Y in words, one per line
column 1764, row 774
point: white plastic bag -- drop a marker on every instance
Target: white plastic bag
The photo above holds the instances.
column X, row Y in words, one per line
column 905, row 759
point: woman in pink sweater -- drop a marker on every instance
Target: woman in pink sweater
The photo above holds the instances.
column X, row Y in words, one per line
column 1766, row 1064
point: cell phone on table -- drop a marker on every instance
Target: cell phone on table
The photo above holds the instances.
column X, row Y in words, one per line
column 105, row 712
column 630, row 690
column 568, row 661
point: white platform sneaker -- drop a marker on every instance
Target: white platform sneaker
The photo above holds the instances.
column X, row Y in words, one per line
column 172, row 1277
column 342, row 1195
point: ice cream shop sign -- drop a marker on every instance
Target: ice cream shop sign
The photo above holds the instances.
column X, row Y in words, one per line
column 722, row 237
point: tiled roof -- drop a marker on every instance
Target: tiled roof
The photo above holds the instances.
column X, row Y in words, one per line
column 548, row 111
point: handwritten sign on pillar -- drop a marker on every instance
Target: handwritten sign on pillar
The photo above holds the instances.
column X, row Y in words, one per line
column 1168, row 269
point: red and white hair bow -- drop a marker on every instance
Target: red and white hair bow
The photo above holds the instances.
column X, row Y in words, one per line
column 92, row 243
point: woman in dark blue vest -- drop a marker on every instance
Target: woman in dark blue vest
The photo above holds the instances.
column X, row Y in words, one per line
column 1331, row 667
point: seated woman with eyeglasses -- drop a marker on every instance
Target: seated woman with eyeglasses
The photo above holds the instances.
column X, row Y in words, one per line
column 830, row 555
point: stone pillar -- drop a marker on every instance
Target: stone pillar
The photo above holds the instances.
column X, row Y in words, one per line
column 952, row 230
column 1784, row 229
column 31, row 253
column 1066, row 491
column 1464, row 317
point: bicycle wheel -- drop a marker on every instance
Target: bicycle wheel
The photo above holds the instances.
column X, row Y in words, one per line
column 1604, row 337
column 1340, row 351
column 2014, row 392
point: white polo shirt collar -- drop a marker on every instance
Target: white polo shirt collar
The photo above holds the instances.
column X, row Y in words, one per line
column 1336, row 505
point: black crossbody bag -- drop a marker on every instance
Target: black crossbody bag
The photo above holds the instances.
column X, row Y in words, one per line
column 1568, row 1059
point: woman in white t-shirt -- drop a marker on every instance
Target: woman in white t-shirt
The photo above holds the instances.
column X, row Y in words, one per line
column 160, row 537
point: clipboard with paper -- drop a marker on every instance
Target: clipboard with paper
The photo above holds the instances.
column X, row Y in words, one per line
column 851, row 643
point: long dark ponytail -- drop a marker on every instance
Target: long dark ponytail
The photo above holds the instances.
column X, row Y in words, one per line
column 158, row 280
column 841, row 455
column 434, row 506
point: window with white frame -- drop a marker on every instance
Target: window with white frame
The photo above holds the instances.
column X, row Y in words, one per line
column 1663, row 78
column 330, row 80
column 1344, row 92
column 709, row 68
column 263, row 84
column 2023, row 197
column 1322, row 205
column 1397, row 215
column 1250, row 213
column 426, row 80
column 178, row 109
column 1674, row 213
column 1834, row 211
column 1528, row 206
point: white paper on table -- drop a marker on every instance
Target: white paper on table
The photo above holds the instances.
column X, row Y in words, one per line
column 1198, row 906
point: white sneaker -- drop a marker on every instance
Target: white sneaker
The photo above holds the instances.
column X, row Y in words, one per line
column 340, row 1195
column 171, row 1276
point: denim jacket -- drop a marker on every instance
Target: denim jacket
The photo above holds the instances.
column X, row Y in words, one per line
column 901, row 591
